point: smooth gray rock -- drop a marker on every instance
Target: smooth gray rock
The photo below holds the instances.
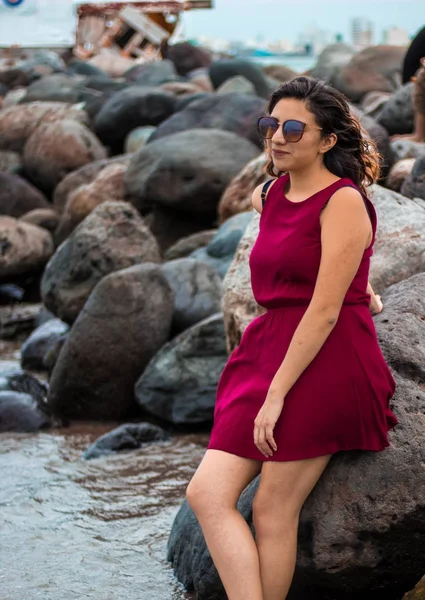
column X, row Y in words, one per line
column 123, row 324
column 111, row 238
column 357, row 526
column 20, row 412
column 397, row 113
column 152, row 74
column 130, row 436
column 407, row 149
column 179, row 384
column 222, row 70
column 197, row 291
column 414, row 184
column 35, row 348
column 331, row 59
column 187, row 171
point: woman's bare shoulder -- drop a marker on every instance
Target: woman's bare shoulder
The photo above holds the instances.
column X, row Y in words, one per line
column 257, row 202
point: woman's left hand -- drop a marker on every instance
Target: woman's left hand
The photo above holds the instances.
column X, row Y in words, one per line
column 265, row 422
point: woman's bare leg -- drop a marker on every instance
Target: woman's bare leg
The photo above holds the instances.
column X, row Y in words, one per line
column 213, row 494
column 283, row 489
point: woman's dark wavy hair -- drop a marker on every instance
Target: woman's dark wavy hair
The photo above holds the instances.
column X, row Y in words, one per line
column 354, row 155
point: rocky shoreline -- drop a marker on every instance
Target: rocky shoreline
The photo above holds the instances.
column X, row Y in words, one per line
column 125, row 214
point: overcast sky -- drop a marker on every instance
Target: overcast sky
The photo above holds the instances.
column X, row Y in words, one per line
column 284, row 19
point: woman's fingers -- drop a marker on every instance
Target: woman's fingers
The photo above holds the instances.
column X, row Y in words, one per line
column 262, row 438
column 270, row 438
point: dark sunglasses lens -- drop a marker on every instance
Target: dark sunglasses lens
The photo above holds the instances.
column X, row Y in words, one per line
column 293, row 131
column 267, row 127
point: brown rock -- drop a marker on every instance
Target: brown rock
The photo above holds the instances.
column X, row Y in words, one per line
column 10, row 162
column 55, row 149
column 188, row 244
column 418, row 593
column 83, row 176
column 13, row 97
column 280, row 72
column 187, row 57
column 237, row 196
column 398, row 173
column 47, row 218
column 25, row 248
column 18, row 196
column 18, row 123
column 377, row 68
column 107, row 185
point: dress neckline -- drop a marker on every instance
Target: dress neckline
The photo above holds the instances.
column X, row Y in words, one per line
column 286, row 178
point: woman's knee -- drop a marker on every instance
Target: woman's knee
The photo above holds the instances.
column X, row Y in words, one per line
column 273, row 516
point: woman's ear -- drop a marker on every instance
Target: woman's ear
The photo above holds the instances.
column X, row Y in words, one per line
column 328, row 142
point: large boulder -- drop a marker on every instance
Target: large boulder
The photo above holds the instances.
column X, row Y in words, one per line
column 130, row 436
column 18, row 123
column 357, row 526
column 55, row 149
column 25, row 248
column 54, row 88
column 414, row 184
column 111, row 238
column 399, row 253
column 187, row 171
column 133, row 107
column 187, row 57
column 224, row 69
column 18, row 197
column 382, row 140
column 377, row 68
column 124, row 323
column 107, row 186
column 152, row 74
column 331, row 60
column 399, row 173
column 397, row 115
column 234, row 113
column 197, row 291
column 280, row 73
column 179, row 384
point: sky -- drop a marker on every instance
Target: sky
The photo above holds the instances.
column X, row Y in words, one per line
column 285, row 19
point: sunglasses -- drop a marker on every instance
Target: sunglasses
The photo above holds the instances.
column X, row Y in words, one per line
column 292, row 129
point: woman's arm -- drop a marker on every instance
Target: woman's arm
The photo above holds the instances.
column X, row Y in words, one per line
column 345, row 234
column 375, row 305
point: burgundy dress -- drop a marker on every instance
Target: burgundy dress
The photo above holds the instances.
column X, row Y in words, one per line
column 341, row 400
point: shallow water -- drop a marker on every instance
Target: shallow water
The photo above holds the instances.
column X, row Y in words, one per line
column 72, row 529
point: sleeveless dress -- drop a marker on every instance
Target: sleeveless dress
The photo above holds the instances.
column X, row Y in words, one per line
column 341, row 400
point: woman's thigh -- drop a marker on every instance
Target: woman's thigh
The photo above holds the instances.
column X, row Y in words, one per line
column 220, row 479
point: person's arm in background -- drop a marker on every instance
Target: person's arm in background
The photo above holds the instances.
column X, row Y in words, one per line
column 412, row 59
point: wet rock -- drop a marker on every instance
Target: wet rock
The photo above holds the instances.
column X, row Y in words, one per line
column 35, row 348
column 107, row 186
column 54, row 88
column 130, row 108
column 25, row 248
column 187, row 58
column 152, row 74
column 10, row 292
column 46, row 218
column 399, row 172
column 238, row 194
column 197, row 291
column 130, row 436
column 220, row 251
column 83, row 176
column 100, row 363
column 111, row 238
column 397, row 113
column 18, row 196
column 55, row 149
column 222, row 70
column 377, row 68
column 187, row 171
column 137, row 138
column 407, row 149
column 20, row 412
column 279, row 72
column 331, row 60
column 18, row 123
column 356, row 527
column 418, row 593
column 238, row 84
column 179, row 383
column 414, row 184
column 10, row 162
column 234, row 113
column 186, row 245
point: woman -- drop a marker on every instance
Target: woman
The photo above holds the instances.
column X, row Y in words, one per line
column 308, row 378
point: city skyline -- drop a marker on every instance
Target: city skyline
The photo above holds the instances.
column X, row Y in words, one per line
column 236, row 20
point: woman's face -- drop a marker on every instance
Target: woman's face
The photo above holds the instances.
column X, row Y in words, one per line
column 295, row 156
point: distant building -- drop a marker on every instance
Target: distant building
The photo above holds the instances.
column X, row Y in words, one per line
column 362, row 33
column 396, row 36
column 313, row 40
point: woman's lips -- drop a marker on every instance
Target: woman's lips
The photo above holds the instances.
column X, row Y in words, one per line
column 280, row 152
